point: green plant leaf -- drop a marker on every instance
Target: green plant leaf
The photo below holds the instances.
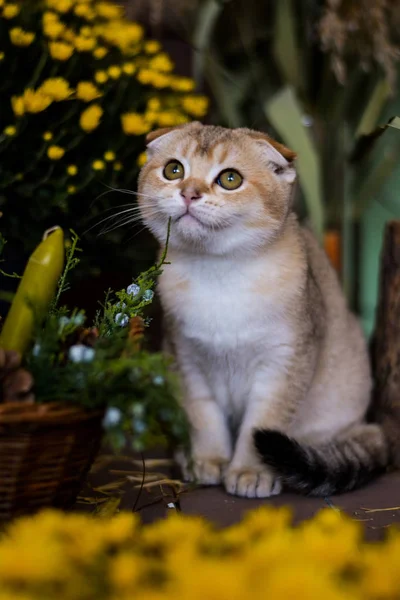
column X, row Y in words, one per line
column 285, row 44
column 285, row 114
column 373, row 110
column 206, row 20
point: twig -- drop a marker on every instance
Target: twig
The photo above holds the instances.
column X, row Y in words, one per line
column 372, row 510
column 142, row 485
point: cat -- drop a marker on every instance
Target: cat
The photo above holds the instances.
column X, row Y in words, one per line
column 274, row 367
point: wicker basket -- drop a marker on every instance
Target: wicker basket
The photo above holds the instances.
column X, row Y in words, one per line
column 46, row 451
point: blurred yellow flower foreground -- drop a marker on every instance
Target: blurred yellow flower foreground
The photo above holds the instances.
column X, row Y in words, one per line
column 53, row 555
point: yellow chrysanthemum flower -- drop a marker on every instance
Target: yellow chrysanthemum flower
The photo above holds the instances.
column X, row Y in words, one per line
column 21, row 38
column 56, row 88
column 153, row 104
column 17, row 104
column 142, row 159
column 182, row 84
column 98, row 165
column 151, row 116
column 170, row 118
column 100, row 52
column 196, row 106
column 47, row 136
column 86, row 31
column 62, row 6
column 10, row 130
column 2, row 55
column 72, row 170
column 55, row 152
column 90, row 118
column 109, row 156
column 117, row 166
column 134, row 124
column 159, row 80
column 84, row 44
column 71, row 189
column 114, row 71
column 101, row 76
column 53, row 28
column 36, row 101
column 85, row 11
column 128, row 68
column 145, row 76
column 152, row 46
column 10, row 11
column 68, row 35
column 87, row 91
column 161, row 62
column 49, row 17
column 108, row 10
column 60, row 50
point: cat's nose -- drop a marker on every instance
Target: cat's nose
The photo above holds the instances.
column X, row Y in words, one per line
column 190, row 194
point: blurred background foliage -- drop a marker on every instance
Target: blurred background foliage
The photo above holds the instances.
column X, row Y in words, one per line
column 322, row 76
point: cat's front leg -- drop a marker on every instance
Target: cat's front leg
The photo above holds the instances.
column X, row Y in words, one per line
column 270, row 406
column 211, row 445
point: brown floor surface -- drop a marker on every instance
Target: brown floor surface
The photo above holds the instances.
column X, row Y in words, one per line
column 223, row 510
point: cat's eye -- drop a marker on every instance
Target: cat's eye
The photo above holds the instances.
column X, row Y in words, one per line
column 229, row 179
column 173, row 170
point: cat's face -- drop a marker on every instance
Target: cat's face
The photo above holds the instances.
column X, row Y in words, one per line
column 224, row 189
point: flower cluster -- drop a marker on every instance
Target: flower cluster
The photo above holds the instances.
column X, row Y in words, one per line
column 76, row 556
column 86, row 87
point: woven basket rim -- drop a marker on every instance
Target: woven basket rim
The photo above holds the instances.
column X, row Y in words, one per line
column 24, row 412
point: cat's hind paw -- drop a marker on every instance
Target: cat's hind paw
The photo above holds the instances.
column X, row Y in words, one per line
column 203, row 471
column 252, row 483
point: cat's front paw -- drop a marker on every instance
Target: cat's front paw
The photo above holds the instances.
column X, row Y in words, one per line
column 207, row 471
column 251, row 482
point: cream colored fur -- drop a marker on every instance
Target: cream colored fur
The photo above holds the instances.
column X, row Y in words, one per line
column 255, row 316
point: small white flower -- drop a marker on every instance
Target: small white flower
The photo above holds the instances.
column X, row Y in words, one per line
column 148, row 295
column 81, row 353
column 112, row 417
column 36, row 349
column 133, row 289
column 158, row 380
column 121, row 319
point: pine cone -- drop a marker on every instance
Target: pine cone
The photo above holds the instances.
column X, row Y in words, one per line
column 136, row 332
column 16, row 383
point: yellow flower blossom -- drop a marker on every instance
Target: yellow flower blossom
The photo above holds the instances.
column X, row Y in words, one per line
column 60, row 50
column 145, row 76
column 114, row 71
column 100, row 52
column 56, row 88
column 196, row 106
column 134, row 124
column 109, row 156
column 87, row 91
column 153, row 104
column 68, row 35
column 17, row 104
column 128, row 68
column 62, row 6
column 35, row 101
column 19, row 176
column 47, row 136
column 71, row 189
column 170, row 118
column 109, row 10
column 182, row 84
column 49, row 17
column 52, row 28
column 86, row 31
column 84, row 44
column 2, row 55
column 90, row 118
column 159, row 80
column 101, row 76
column 10, row 130
column 142, row 159
column 151, row 116
column 21, row 38
column 55, row 152
column 98, row 165
column 152, row 46
column 10, row 11
column 121, row 34
column 161, row 62
column 118, row 166
column 85, row 11
column 72, row 170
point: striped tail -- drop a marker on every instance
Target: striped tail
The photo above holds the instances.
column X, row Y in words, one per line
column 342, row 465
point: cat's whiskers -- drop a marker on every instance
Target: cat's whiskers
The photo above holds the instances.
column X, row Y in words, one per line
column 126, row 221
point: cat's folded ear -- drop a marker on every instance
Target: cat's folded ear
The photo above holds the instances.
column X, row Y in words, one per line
column 280, row 159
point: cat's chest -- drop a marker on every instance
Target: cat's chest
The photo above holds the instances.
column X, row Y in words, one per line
column 220, row 310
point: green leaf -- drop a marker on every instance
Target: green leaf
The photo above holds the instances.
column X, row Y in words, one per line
column 206, row 20
column 373, row 110
column 285, row 44
column 285, row 114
